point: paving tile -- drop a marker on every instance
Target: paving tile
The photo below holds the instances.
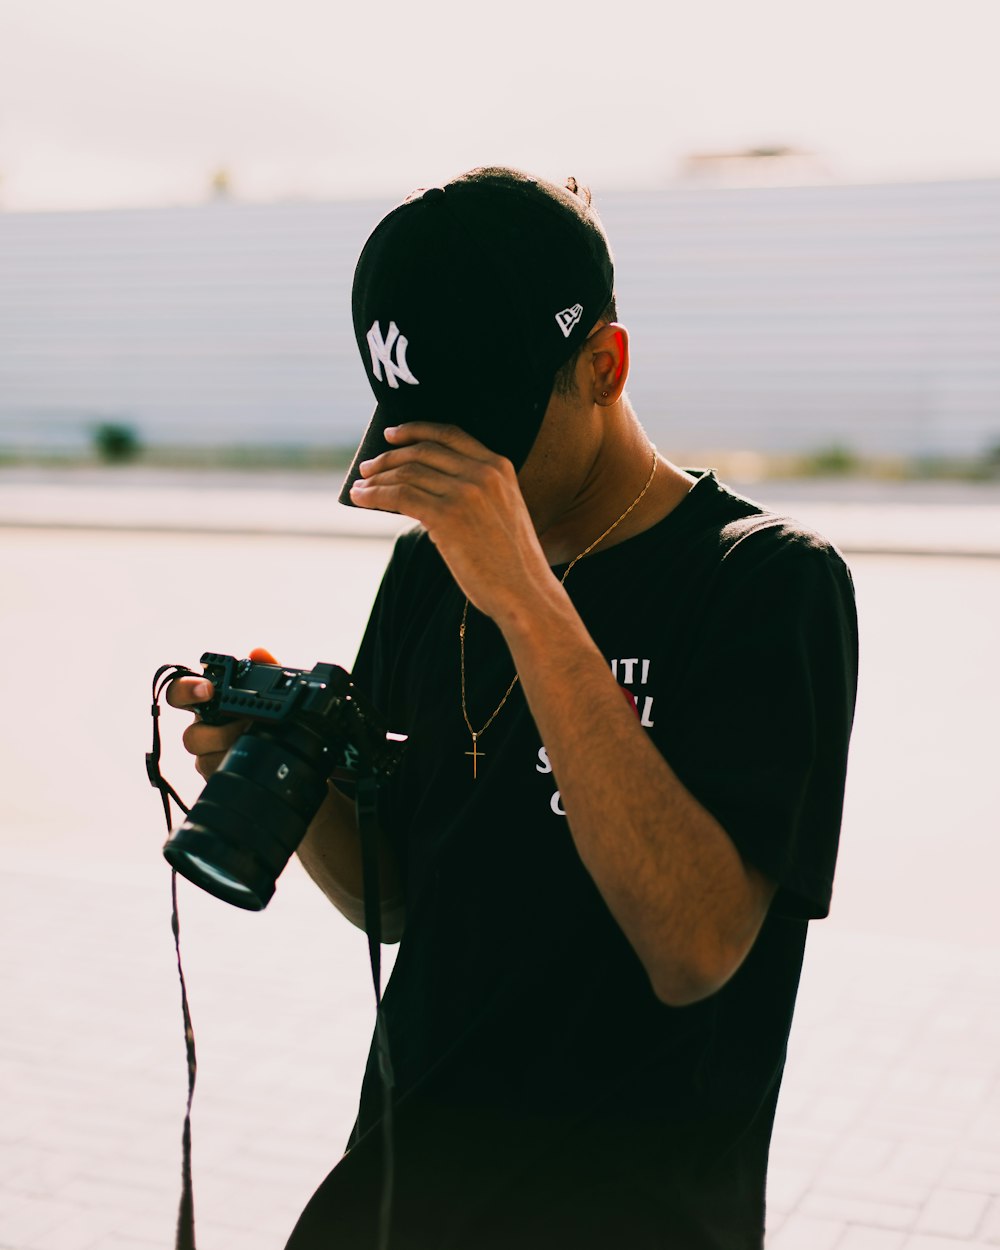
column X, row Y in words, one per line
column 979, row 1158
column 990, row 1230
column 228, row 1237
column 802, row 1139
column 772, row 1223
column 836, row 1110
column 912, row 1080
column 805, row 1232
column 24, row 1217
column 974, row 1180
column 921, row 1161
column 42, row 1171
column 857, row 1238
column 861, row 1154
column 984, row 1133
column 118, row 1241
column 785, row 1188
column 965, row 1088
column 858, row 1211
column 925, row 1241
column 874, row 1187
column 106, row 1194
column 85, row 1230
column 952, row 1213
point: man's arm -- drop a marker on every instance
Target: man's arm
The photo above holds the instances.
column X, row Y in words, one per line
column 331, row 854
column 670, row 874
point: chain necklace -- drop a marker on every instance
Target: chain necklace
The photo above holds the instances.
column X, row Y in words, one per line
column 476, row 754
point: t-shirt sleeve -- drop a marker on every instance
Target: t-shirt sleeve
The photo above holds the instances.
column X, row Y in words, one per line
column 761, row 735
column 379, row 644
column 373, row 665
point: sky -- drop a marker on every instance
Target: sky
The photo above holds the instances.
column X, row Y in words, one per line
column 118, row 103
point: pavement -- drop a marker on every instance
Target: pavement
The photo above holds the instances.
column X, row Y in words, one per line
column 932, row 517
column 887, row 1135
column 888, row 1130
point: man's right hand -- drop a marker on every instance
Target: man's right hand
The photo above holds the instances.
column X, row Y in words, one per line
column 208, row 743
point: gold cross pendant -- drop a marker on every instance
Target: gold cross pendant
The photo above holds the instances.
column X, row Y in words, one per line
column 476, row 754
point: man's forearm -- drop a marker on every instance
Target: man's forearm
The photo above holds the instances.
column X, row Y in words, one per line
column 670, row 874
column 331, row 854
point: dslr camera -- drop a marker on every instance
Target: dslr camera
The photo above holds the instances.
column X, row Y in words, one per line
column 308, row 727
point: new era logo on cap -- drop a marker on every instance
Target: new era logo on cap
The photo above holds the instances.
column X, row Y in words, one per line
column 568, row 318
column 381, row 352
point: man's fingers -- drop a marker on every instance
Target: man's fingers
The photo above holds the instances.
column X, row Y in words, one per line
column 186, row 692
column 433, row 432
column 436, row 456
column 412, row 473
column 206, row 765
column 408, row 479
column 201, row 739
column 406, row 500
column 208, row 743
column 261, row 655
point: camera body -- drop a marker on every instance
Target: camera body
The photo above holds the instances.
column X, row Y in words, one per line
column 307, row 726
column 322, row 698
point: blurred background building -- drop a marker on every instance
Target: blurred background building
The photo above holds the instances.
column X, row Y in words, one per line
column 770, row 318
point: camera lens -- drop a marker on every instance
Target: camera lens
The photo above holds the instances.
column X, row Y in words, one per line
column 253, row 813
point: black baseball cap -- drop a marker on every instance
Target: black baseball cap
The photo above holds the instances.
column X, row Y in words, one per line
column 444, row 280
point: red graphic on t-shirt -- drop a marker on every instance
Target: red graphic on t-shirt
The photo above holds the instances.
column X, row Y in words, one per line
column 633, row 702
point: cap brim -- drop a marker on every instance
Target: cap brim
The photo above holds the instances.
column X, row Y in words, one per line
column 372, row 444
column 492, row 421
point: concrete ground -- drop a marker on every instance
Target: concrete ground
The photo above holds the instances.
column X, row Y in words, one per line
column 858, row 514
column 888, row 1130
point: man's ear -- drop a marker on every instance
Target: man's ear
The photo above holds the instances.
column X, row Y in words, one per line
column 608, row 347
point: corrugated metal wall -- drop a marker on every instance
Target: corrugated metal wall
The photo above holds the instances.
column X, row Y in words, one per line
column 773, row 319
column 799, row 317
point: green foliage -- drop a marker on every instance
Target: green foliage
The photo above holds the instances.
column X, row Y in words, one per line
column 833, row 461
column 115, row 442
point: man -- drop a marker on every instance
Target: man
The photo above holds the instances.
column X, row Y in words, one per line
column 628, row 695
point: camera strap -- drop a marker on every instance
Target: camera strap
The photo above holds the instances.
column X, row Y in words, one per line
column 368, row 831
column 185, row 1214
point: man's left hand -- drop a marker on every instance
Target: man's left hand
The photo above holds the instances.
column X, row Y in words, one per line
column 468, row 500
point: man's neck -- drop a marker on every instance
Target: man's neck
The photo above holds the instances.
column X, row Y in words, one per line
column 613, row 487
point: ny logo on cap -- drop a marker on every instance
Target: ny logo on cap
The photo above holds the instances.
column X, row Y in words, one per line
column 568, row 318
column 381, row 350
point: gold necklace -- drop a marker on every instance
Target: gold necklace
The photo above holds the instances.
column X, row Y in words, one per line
column 476, row 754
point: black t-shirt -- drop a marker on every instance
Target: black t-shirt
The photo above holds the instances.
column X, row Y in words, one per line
column 544, row 1095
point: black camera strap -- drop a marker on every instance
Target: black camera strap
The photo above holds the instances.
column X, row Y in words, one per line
column 161, row 680
column 368, row 833
column 185, row 1214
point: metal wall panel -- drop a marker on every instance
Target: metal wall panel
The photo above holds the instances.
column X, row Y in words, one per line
column 776, row 319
